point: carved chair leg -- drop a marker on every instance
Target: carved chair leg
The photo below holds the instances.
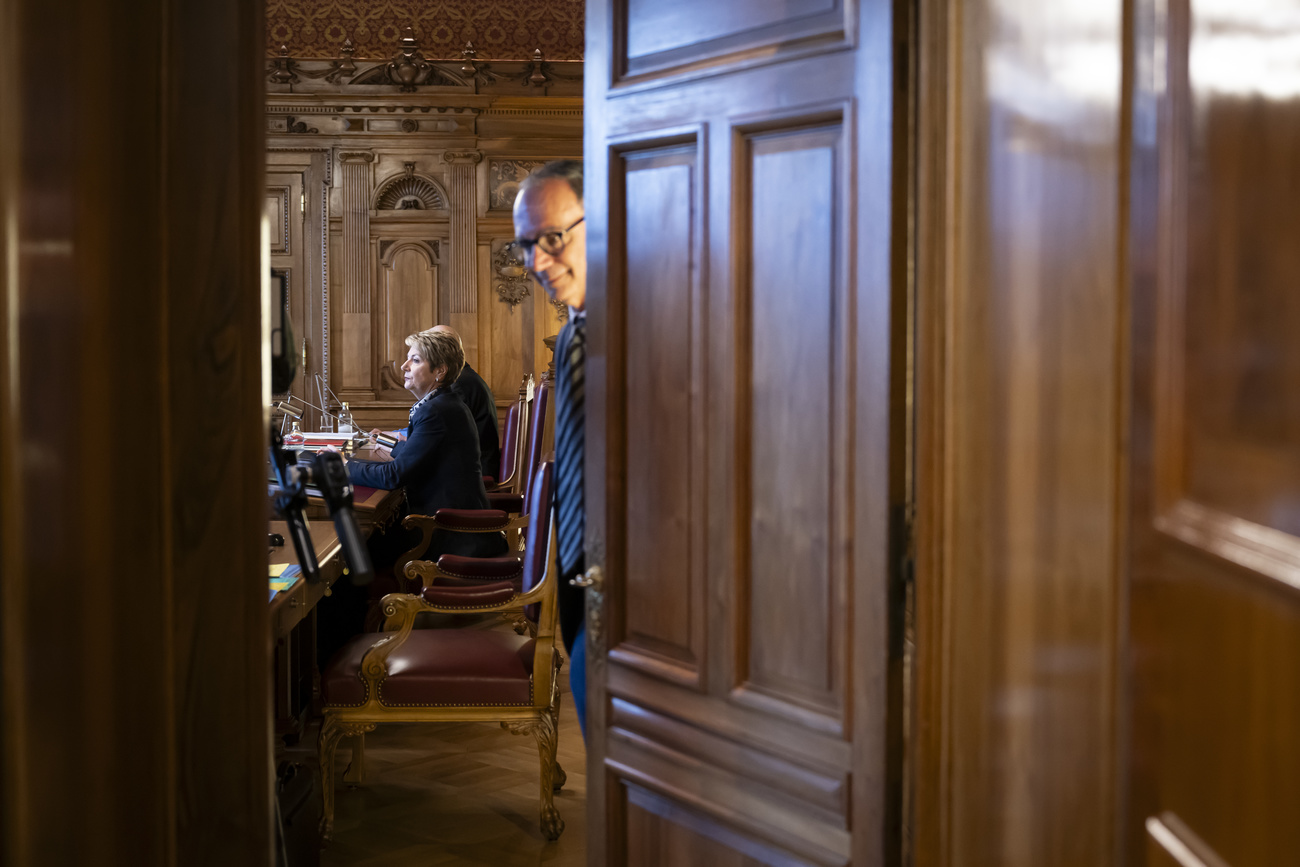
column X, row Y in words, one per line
column 330, row 732
column 356, row 771
column 558, row 776
column 546, row 732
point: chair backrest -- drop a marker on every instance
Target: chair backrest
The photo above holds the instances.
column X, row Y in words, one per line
column 509, row 443
column 539, row 427
column 514, row 442
column 537, row 547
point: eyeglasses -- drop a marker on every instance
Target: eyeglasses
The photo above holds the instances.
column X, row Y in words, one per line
column 552, row 243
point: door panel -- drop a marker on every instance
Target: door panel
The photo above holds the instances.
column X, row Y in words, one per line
column 409, row 302
column 1215, row 595
column 285, row 204
column 652, row 37
column 665, row 613
column 791, row 643
column 737, row 443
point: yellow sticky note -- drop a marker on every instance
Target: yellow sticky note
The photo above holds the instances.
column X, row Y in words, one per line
column 277, row 569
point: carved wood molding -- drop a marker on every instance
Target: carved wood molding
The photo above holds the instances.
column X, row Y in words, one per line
column 410, row 191
column 512, row 284
column 454, row 157
column 356, row 157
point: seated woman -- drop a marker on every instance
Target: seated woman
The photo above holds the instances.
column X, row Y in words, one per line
column 438, row 466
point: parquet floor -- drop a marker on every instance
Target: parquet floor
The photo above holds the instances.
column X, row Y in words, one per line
column 457, row 794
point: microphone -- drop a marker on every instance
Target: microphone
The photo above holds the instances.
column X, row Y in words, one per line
column 281, row 406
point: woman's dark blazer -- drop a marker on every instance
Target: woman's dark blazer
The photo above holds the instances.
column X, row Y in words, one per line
column 438, row 465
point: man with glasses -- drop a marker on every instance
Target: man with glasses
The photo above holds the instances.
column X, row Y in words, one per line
column 553, row 238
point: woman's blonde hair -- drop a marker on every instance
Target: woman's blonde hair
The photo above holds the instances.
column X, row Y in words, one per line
column 439, row 348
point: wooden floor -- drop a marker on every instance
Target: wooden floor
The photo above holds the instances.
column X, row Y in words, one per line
column 457, row 794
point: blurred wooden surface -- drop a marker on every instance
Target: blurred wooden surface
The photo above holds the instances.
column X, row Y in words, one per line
column 1020, row 399
column 136, row 705
column 1215, row 568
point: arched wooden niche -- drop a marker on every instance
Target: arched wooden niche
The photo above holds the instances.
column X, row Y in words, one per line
column 410, row 192
column 408, row 302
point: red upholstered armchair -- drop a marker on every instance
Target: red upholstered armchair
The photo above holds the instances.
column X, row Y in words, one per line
column 511, row 512
column 456, row 675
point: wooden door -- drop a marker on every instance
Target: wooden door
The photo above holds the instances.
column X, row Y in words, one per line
column 286, row 207
column 1215, row 564
column 738, row 207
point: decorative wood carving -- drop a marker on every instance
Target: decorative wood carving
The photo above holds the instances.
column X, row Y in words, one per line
column 430, row 203
column 298, row 127
column 513, row 283
column 454, row 157
column 356, row 230
column 504, row 177
column 408, row 302
column 408, row 69
column 282, row 68
column 464, row 195
column 410, row 192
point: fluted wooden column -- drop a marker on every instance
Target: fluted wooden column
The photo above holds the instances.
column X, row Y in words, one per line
column 353, row 354
column 463, row 279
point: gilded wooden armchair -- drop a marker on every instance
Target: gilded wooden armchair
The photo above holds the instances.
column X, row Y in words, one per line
column 456, row 675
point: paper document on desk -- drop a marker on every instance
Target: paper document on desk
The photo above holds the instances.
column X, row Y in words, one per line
column 282, row 577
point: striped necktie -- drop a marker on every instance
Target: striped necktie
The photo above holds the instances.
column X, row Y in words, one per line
column 570, row 436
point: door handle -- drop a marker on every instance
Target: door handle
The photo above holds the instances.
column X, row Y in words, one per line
column 593, row 577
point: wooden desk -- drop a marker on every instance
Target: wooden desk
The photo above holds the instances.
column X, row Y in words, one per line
column 373, row 506
column 291, row 605
column 292, row 625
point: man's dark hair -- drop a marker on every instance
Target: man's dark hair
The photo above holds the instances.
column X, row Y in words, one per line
column 569, row 171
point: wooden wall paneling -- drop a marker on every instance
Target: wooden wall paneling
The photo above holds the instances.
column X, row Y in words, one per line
column 409, row 299
column 505, row 361
column 1215, row 563
column 417, row 194
column 463, row 168
column 353, row 373
column 284, row 213
column 547, row 320
column 136, row 714
column 308, row 264
column 1020, row 410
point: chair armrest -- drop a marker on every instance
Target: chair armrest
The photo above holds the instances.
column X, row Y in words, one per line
column 471, row 520
column 463, row 598
column 506, row 501
column 498, row 568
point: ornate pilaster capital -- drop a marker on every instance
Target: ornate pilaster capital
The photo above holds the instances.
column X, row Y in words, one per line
column 453, row 157
column 356, row 157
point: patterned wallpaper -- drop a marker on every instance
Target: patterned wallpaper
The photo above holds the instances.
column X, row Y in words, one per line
column 499, row 29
